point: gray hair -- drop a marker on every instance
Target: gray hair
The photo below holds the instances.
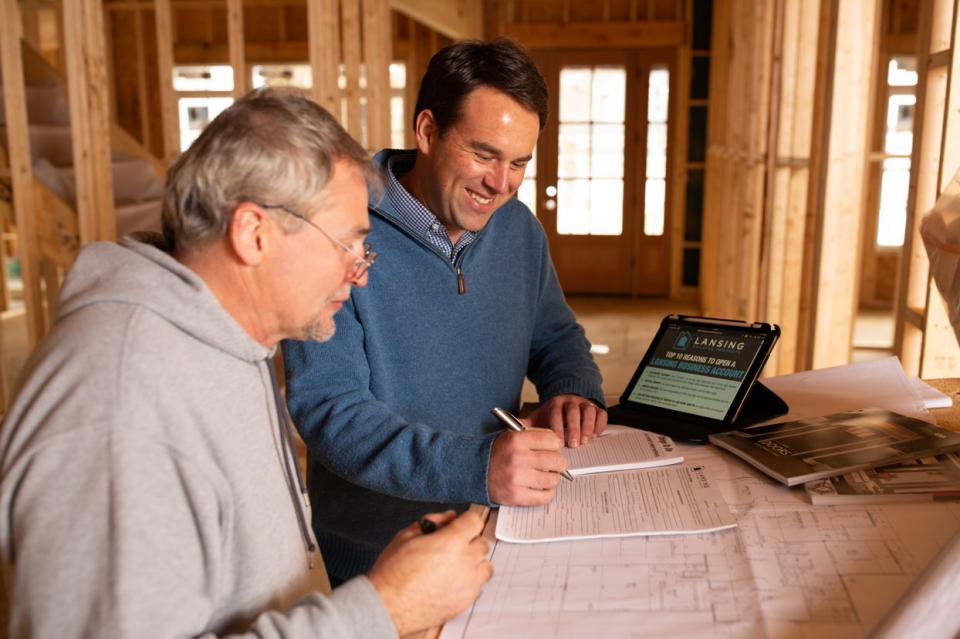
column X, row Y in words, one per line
column 273, row 146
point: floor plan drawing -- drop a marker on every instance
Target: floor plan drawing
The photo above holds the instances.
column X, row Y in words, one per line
column 788, row 570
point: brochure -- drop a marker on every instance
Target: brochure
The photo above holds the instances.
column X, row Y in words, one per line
column 925, row 479
column 801, row 451
column 622, row 448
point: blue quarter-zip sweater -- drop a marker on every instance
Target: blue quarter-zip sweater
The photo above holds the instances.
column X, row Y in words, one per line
column 395, row 409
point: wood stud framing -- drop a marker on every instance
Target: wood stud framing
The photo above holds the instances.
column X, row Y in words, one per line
column 89, row 97
column 838, row 207
column 775, row 246
column 737, row 144
column 324, row 46
column 924, row 339
column 168, row 99
column 783, row 200
column 377, row 54
column 788, row 177
column 21, row 172
column 235, row 44
column 350, row 16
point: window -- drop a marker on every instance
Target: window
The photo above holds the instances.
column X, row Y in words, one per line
column 655, row 190
column 196, row 109
column 591, row 150
column 897, row 145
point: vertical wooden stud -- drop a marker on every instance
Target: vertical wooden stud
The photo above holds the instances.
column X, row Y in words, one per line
column 168, row 99
column 142, row 94
column 89, row 99
column 324, row 47
column 839, row 204
column 21, row 172
column 377, row 53
column 350, row 35
column 235, row 45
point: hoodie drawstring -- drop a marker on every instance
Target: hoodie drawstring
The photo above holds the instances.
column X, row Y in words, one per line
column 291, row 467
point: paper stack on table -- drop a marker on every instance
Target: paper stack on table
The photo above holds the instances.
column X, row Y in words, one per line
column 622, row 448
column 660, row 501
column 877, row 383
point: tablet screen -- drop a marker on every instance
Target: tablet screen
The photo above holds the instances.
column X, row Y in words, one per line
column 697, row 370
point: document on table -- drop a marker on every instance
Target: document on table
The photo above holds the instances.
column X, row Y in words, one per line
column 622, row 448
column 880, row 383
column 661, row 501
column 789, row 569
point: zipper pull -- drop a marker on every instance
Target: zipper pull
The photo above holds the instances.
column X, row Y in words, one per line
column 461, row 283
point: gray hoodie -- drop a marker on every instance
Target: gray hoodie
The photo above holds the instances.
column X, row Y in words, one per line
column 147, row 490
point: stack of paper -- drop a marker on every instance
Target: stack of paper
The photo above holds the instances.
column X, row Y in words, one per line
column 639, row 502
column 622, row 448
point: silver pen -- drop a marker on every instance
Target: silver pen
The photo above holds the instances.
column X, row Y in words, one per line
column 511, row 422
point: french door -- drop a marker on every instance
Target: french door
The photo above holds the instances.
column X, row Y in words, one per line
column 600, row 184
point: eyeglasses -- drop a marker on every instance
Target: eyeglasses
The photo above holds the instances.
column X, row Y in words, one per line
column 363, row 263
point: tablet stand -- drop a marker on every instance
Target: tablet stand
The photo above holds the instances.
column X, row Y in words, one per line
column 760, row 405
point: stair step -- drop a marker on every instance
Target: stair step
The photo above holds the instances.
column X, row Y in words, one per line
column 45, row 105
column 51, row 142
column 133, row 181
column 139, row 216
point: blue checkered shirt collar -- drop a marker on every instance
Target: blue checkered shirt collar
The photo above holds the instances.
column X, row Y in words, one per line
column 417, row 216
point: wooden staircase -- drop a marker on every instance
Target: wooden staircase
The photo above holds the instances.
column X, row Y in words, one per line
column 137, row 178
column 137, row 175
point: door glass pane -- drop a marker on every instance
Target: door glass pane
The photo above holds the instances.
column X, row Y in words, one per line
column 654, row 199
column 575, row 94
column 606, row 202
column 609, row 94
column 606, row 157
column 658, row 96
column 573, row 213
column 591, row 150
column 574, row 145
column 527, row 193
column 656, row 150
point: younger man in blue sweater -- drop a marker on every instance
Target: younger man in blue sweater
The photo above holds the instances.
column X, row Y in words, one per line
column 395, row 409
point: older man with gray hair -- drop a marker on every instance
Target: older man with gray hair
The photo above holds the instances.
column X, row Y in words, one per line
column 149, row 482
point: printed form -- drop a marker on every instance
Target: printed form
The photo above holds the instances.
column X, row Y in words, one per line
column 640, row 502
column 622, row 448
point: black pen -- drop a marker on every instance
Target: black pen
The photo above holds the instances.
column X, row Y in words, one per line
column 513, row 423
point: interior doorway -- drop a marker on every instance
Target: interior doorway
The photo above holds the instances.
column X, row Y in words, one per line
column 601, row 185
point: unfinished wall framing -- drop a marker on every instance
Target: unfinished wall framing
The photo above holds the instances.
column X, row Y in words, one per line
column 925, row 341
column 785, row 171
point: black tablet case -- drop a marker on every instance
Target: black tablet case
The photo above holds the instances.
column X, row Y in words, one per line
column 760, row 405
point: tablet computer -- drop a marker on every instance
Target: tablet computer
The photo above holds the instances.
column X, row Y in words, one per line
column 699, row 376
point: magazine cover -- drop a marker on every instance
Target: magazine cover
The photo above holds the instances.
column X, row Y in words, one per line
column 801, row 451
column 925, row 479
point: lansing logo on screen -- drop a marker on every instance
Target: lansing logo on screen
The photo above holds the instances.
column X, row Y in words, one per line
column 683, row 340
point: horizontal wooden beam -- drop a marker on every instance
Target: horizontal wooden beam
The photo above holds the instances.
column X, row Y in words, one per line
column 456, row 19
column 255, row 52
column 195, row 4
column 598, row 35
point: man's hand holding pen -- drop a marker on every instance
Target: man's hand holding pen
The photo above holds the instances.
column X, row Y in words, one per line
column 525, row 464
